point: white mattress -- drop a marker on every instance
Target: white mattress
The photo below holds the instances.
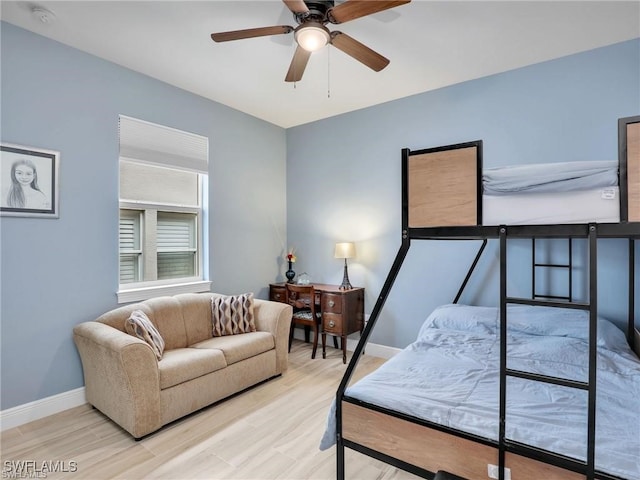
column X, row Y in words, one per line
column 600, row 205
column 450, row 376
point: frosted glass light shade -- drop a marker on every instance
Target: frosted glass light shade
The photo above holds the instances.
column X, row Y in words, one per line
column 312, row 37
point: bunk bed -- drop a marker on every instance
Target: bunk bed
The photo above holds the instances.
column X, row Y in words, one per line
column 538, row 387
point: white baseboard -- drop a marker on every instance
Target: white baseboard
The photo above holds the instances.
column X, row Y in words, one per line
column 28, row 412
column 373, row 349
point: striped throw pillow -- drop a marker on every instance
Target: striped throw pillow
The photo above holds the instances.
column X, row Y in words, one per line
column 232, row 315
column 139, row 325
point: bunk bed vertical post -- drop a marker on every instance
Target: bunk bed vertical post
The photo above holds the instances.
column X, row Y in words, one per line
column 570, row 262
column 632, row 290
column 622, row 168
column 533, row 267
column 503, row 351
column 629, row 165
column 593, row 352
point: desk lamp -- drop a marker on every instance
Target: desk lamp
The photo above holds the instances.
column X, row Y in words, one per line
column 345, row 250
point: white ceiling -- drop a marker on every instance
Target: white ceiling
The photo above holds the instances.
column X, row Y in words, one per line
column 431, row 44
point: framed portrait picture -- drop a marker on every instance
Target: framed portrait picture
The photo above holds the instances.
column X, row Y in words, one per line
column 28, row 181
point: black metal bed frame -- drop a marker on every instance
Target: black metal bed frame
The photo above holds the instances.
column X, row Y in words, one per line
column 592, row 232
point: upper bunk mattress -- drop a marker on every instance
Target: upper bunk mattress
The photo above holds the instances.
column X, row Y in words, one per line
column 552, row 193
column 599, row 205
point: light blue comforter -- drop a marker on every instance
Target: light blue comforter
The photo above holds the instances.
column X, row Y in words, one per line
column 449, row 375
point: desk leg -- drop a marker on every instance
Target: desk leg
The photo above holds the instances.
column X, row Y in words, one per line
column 343, row 346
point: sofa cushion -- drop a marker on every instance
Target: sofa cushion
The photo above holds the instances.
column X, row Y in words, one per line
column 184, row 364
column 196, row 311
column 232, row 315
column 239, row 347
column 166, row 315
column 139, row 325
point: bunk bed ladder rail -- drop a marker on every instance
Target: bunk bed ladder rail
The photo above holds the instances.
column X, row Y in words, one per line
column 632, row 304
column 505, row 445
column 552, row 266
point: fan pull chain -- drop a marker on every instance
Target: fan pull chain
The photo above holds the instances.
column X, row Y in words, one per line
column 329, row 71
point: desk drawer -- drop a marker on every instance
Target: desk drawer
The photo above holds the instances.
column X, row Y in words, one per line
column 332, row 323
column 278, row 294
column 331, row 303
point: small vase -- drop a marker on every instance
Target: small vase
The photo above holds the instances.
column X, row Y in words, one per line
column 290, row 274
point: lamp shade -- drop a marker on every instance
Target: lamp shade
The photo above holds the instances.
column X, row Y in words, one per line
column 345, row 250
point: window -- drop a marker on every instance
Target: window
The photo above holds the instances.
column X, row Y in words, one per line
column 163, row 175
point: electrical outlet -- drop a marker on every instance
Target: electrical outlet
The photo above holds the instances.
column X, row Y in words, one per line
column 494, row 472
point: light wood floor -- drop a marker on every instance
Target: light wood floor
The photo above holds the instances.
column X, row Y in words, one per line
column 269, row 432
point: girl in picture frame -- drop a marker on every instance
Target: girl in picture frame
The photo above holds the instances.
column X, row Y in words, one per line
column 24, row 191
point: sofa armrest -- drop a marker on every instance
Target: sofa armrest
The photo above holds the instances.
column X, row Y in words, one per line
column 121, row 376
column 275, row 317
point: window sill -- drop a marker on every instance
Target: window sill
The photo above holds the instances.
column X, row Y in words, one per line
column 144, row 293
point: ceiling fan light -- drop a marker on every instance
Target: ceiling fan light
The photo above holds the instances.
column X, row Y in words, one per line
column 312, row 37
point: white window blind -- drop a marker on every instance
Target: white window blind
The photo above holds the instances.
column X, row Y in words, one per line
column 130, row 252
column 176, row 245
column 145, row 183
column 163, row 146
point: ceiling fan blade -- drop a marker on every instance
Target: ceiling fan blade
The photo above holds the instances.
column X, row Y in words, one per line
column 296, row 6
column 352, row 9
column 298, row 64
column 357, row 50
column 250, row 33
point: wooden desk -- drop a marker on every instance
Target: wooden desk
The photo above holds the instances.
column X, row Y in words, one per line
column 342, row 310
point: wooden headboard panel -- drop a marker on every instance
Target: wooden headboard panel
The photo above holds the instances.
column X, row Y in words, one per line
column 443, row 185
column 629, row 158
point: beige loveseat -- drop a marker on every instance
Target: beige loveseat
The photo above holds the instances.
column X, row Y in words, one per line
column 125, row 381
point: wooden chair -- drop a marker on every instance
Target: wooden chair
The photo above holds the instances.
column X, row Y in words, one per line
column 302, row 299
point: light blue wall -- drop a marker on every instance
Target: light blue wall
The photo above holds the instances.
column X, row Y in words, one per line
column 343, row 177
column 57, row 273
column 342, row 183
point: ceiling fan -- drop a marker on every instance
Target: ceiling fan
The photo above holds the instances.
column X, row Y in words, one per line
column 311, row 34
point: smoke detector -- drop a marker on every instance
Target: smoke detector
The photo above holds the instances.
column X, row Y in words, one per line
column 43, row 15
